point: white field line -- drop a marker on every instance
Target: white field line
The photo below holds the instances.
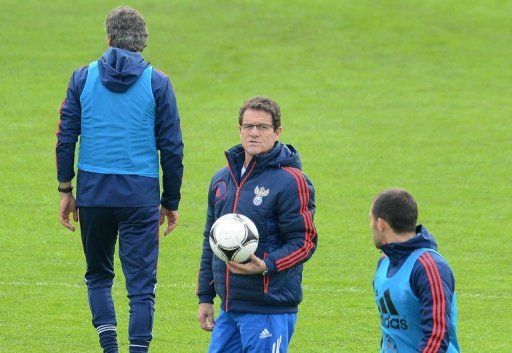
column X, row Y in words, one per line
column 369, row 291
column 189, row 286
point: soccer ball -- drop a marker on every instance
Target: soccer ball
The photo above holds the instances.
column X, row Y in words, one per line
column 233, row 237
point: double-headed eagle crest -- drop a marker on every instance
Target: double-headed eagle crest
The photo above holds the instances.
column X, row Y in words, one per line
column 259, row 194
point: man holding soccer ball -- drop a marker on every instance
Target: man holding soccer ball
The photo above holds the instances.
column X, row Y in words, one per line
column 264, row 182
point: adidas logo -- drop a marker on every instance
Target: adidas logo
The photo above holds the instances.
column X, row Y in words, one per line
column 265, row 334
column 390, row 317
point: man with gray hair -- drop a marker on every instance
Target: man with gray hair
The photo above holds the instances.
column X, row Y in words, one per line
column 263, row 181
column 125, row 114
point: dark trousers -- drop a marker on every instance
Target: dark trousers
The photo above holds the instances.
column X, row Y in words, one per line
column 138, row 252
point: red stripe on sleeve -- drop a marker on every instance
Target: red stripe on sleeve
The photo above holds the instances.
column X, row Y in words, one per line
column 438, row 306
column 442, row 304
column 300, row 254
column 61, row 105
column 58, row 132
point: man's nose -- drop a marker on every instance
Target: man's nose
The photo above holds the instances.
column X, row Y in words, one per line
column 255, row 131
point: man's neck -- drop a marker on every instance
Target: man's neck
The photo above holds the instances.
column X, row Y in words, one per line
column 393, row 237
column 247, row 160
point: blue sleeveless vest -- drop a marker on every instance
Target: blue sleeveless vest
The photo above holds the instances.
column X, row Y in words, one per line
column 118, row 129
column 399, row 309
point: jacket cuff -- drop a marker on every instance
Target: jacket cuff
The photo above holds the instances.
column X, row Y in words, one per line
column 271, row 268
column 170, row 205
column 205, row 298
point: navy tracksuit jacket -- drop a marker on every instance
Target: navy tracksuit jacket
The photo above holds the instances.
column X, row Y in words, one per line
column 284, row 218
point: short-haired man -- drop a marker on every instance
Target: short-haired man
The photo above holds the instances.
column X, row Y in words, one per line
column 414, row 285
column 263, row 181
column 125, row 112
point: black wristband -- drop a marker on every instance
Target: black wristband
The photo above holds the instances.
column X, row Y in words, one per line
column 67, row 190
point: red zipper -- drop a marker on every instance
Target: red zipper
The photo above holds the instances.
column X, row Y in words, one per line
column 266, row 278
column 235, row 206
column 238, row 187
column 227, row 287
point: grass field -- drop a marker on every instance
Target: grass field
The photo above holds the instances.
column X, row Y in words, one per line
column 374, row 94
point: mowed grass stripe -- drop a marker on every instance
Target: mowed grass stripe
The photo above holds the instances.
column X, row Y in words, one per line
column 374, row 94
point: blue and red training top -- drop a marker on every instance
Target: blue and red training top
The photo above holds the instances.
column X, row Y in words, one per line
column 415, row 294
column 125, row 112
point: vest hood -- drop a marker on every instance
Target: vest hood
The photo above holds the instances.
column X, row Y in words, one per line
column 119, row 69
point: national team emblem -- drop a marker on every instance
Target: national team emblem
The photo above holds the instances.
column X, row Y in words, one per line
column 259, row 193
column 220, row 190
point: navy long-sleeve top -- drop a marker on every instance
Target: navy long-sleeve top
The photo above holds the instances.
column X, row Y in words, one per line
column 119, row 70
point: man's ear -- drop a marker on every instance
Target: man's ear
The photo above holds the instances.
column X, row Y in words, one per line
column 382, row 225
column 278, row 133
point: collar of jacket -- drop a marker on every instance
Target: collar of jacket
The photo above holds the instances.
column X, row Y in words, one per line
column 397, row 251
column 280, row 155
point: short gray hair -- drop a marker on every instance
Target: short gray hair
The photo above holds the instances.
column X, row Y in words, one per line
column 263, row 104
column 126, row 29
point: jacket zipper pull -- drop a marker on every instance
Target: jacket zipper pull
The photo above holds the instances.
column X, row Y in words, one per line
column 235, row 206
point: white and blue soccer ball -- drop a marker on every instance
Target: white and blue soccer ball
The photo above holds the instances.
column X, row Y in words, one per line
column 233, row 237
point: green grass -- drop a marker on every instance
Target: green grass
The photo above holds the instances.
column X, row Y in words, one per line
column 374, row 94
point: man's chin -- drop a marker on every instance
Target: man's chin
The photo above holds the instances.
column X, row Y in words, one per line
column 253, row 151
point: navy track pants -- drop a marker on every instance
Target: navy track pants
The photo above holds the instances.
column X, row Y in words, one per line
column 138, row 252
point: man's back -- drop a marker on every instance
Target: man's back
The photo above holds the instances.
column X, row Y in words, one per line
column 124, row 112
column 118, row 128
